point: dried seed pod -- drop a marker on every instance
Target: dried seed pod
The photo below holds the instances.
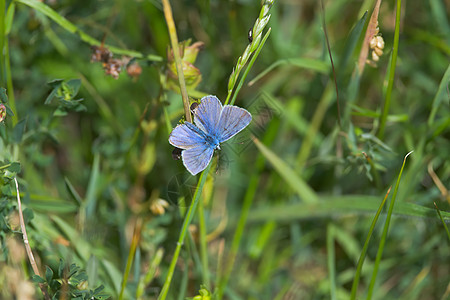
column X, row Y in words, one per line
column 373, row 42
column 378, row 51
column 375, row 57
column 380, row 42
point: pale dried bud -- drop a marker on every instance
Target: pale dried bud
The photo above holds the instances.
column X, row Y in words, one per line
column 380, row 42
column 2, row 112
column 158, row 206
column 378, row 51
column 373, row 42
column 375, row 57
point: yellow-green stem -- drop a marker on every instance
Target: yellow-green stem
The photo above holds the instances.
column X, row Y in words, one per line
column 176, row 55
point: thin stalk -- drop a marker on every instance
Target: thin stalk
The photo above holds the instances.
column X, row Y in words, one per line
column 184, row 230
column 131, row 253
column 331, row 260
column 9, row 84
column 248, row 201
column 176, row 54
column 27, row 243
column 2, row 40
column 203, row 244
column 387, row 101
column 362, row 257
column 385, row 232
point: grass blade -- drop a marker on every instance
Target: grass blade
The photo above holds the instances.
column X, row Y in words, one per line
column 184, row 229
column 366, row 246
column 385, row 232
column 387, row 100
column 303, row 190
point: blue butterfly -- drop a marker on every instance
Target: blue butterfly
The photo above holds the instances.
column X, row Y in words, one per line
column 214, row 124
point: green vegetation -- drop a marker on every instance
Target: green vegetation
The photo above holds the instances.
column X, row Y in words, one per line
column 319, row 198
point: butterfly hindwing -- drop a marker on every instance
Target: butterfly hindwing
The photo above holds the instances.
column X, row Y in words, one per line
column 187, row 136
column 197, row 159
column 232, row 120
column 206, row 115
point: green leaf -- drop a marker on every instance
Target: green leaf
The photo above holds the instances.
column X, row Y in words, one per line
column 440, row 94
column 38, row 279
column 72, row 191
column 18, row 131
column 28, row 215
column 55, row 84
column 48, row 274
column 74, row 85
column 3, row 95
column 14, row 167
column 9, row 17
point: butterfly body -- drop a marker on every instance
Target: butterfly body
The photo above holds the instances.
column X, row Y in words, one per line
column 214, row 124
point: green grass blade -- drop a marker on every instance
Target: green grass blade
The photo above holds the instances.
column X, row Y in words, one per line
column 330, row 206
column 443, row 222
column 303, row 190
column 352, row 41
column 385, row 232
column 184, row 229
column 91, row 193
column 67, row 25
column 387, row 100
column 331, row 261
column 440, row 94
column 252, row 188
column 366, row 246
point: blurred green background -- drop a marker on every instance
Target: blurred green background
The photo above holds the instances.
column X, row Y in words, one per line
column 94, row 173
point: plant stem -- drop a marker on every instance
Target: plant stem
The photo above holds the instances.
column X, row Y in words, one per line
column 27, row 244
column 387, row 101
column 246, row 205
column 176, row 55
column 184, row 230
column 385, row 233
column 203, row 244
column 131, row 253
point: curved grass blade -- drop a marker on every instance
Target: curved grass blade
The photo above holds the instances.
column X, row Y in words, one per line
column 439, row 95
column 184, row 230
column 385, row 232
column 366, row 246
column 330, row 206
column 442, row 220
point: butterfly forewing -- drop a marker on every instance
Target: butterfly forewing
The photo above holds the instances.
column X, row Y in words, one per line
column 197, row 159
column 187, row 136
column 232, row 120
column 206, row 115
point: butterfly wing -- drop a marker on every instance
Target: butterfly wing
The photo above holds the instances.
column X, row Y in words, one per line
column 197, row 159
column 207, row 114
column 197, row 151
column 187, row 136
column 232, row 120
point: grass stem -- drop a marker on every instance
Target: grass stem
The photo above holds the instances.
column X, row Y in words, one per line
column 176, row 54
column 184, row 230
column 387, row 100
